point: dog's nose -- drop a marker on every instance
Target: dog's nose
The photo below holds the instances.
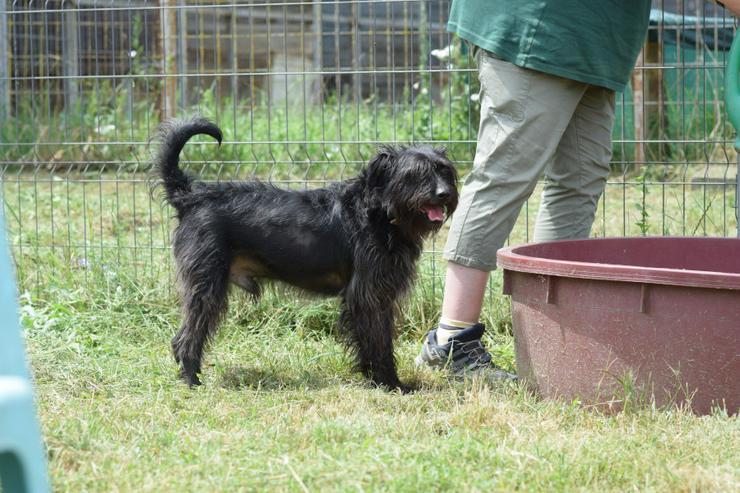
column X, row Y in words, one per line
column 443, row 194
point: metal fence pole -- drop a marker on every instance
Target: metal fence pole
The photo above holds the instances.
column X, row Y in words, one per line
column 4, row 64
column 70, row 54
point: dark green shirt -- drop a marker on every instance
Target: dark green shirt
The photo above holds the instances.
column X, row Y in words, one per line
column 592, row 41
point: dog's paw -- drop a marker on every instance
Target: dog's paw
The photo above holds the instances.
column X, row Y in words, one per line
column 190, row 378
column 406, row 388
column 395, row 385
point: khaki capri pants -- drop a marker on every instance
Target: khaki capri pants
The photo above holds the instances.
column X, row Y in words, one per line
column 531, row 123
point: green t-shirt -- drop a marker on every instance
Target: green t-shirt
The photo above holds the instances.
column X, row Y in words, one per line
column 592, row 41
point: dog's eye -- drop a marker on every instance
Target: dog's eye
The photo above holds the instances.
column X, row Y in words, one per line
column 445, row 171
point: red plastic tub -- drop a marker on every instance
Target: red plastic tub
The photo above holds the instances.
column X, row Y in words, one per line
column 600, row 319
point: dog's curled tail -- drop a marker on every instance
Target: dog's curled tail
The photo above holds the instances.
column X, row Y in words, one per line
column 173, row 135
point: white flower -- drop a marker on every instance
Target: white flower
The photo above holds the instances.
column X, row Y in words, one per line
column 442, row 53
column 107, row 129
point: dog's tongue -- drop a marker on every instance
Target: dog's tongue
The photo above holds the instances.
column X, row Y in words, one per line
column 435, row 213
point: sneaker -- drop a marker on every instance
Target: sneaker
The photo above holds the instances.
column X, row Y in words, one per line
column 463, row 354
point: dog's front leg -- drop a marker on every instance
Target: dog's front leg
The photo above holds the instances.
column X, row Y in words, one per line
column 367, row 320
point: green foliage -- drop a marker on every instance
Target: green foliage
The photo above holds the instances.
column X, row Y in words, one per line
column 328, row 140
column 643, row 221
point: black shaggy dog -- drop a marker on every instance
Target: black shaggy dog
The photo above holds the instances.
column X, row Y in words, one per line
column 359, row 239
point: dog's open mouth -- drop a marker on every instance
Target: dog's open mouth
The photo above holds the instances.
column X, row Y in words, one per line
column 435, row 213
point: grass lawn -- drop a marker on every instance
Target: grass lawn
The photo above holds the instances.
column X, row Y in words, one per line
column 281, row 409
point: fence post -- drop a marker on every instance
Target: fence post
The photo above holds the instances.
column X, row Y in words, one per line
column 318, row 46
column 4, row 64
column 70, row 54
column 638, row 105
column 182, row 52
column 234, row 53
column 168, row 44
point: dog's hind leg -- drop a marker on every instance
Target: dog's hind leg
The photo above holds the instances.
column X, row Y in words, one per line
column 242, row 272
column 204, row 289
column 247, row 283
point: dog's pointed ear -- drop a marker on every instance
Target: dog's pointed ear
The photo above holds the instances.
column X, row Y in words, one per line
column 380, row 165
column 442, row 151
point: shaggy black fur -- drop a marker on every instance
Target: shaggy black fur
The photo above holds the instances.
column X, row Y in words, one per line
column 359, row 239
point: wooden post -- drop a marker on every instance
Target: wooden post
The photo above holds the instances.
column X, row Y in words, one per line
column 655, row 117
column 70, row 54
column 648, row 99
column 168, row 43
column 182, row 52
column 638, row 101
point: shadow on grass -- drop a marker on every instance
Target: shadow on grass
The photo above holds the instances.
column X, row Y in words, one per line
column 243, row 377
column 240, row 377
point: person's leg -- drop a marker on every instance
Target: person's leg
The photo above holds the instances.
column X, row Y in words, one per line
column 523, row 116
column 463, row 293
column 577, row 176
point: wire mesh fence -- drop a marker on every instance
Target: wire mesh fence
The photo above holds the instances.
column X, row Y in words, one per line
column 304, row 91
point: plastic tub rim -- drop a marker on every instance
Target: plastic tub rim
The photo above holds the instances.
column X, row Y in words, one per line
column 515, row 258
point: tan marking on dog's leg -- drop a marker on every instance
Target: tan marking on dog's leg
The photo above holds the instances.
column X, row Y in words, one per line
column 242, row 272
